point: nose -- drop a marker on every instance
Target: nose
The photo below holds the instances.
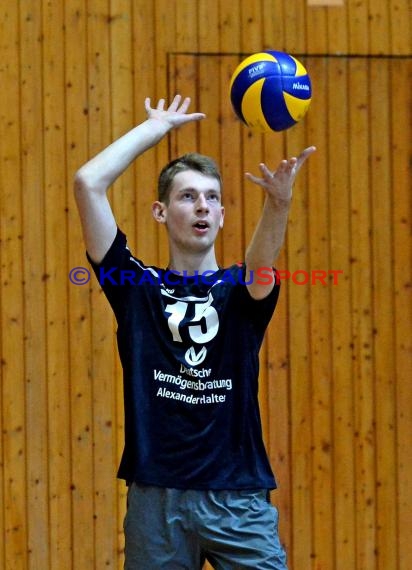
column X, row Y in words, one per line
column 201, row 204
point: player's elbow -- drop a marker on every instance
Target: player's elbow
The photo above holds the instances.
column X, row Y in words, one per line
column 85, row 182
column 82, row 182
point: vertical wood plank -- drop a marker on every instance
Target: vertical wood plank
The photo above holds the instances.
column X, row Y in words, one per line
column 13, row 428
column 208, row 25
column 279, row 410
column 320, row 322
column 362, row 318
column 233, row 246
column 379, row 29
column 317, row 29
column 339, row 184
column 273, row 33
column 401, row 151
column 122, row 104
column 278, row 366
column 55, row 202
column 337, row 24
column 229, row 27
column 101, row 419
column 2, row 424
column 252, row 142
column 300, row 380
column 358, row 27
column 186, row 30
column 144, row 62
column 384, row 346
column 34, row 289
column 400, row 27
column 165, row 19
column 294, row 25
column 184, row 76
column 251, row 26
column 79, row 296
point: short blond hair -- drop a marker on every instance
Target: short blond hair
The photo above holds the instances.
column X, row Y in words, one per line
column 190, row 161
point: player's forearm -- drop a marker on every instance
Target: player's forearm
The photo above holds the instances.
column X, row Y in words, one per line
column 99, row 173
column 269, row 235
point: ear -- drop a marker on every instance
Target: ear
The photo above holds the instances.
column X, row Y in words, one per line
column 222, row 217
column 159, row 212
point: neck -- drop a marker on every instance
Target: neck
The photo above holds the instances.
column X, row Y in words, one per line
column 193, row 262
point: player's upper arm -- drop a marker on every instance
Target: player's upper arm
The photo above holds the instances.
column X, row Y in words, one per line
column 96, row 216
column 260, row 282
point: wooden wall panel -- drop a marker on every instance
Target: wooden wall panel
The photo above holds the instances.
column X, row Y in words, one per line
column 383, row 320
column 298, row 311
column 318, row 238
column 165, row 40
column 365, row 499
column 335, row 389
column 401, row 113
column 13, row 494
column 102, row 373
column 80, row 367
column 57, row 349
column 123, row 109
column 33, row 200
column 343, row 428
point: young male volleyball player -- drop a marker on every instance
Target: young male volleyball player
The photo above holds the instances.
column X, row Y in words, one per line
column 188, row 336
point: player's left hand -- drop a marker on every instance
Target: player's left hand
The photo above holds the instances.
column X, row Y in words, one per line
column 174, row 115
column 278, row 184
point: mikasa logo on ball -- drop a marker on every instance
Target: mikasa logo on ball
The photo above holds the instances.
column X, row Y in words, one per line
column 298, row 85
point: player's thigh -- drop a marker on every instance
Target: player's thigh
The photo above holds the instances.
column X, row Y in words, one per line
column 157, row 531
column 242, row 532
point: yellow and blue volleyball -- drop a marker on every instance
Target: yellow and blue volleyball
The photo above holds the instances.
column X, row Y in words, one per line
column 270, row 91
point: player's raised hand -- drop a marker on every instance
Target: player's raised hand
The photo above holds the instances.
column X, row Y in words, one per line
column 279, row 183
column 174, row 115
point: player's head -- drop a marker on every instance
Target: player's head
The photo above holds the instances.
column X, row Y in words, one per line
column 191, row 161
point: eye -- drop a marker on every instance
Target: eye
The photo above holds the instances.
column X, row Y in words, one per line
column 187, row 195
column 214, row 197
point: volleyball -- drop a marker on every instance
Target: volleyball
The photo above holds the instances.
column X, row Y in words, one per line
column 270, row 91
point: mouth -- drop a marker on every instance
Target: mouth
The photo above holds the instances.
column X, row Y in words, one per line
column 201, row 225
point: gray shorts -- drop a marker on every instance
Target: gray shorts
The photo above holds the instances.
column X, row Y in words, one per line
column 170, row 529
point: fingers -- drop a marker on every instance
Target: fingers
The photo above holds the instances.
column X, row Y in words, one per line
column 175, row 103
column 284, row 167
column 293, row 164
column 147, row 104
column 160, row 105
column 308, row 151
column 265, row 171
column 196, row 116
column 178, row 105
column 184, row 106
column 305, row 155
column 253, row 178
column 285, row 173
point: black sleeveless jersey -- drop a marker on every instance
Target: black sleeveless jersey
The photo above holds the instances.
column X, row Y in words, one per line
column 189, row 350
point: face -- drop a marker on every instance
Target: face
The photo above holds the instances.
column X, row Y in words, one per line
column 194, row 213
